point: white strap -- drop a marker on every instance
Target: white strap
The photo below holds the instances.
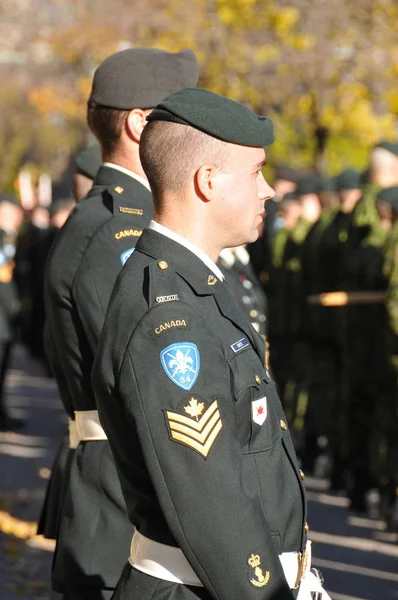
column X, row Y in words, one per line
column 88, row 426
column 161, row 561
column 73, row 435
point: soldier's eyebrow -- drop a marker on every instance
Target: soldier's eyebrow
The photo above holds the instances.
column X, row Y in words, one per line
column 260, row 165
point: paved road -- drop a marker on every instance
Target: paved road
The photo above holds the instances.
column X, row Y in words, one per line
column 358, row 559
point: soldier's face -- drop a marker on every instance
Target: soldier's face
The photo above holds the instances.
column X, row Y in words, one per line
column 243, row 194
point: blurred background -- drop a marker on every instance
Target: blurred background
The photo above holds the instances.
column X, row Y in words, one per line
column 326, row 73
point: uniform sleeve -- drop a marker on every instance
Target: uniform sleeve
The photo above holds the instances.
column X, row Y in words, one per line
column 176, row 387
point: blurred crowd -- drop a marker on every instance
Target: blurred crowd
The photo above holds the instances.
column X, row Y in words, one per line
column 328, row 261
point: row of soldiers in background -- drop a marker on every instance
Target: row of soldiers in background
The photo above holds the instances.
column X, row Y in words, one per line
column 335, row 357
column 25, row 240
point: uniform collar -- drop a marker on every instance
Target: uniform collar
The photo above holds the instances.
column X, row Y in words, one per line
column 180, row 240
column 181, row 259
column 132, row 188
column 138, row 178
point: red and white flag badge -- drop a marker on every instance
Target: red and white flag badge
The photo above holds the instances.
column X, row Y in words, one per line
column 259, row 410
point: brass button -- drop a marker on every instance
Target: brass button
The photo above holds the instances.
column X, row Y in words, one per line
column 162, row 264
column 306, row 528
column 283, row 424
column 253, row 313
column 302, row 475
column 257, row 379
column 118, row 189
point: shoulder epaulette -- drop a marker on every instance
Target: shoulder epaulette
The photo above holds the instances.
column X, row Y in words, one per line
column 162, row 283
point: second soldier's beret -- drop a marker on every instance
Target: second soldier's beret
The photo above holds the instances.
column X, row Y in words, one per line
column 217, row 116
column 390, row 146
column 389, row 195
column 350, row 179
column 89, row 161
column 142, row 77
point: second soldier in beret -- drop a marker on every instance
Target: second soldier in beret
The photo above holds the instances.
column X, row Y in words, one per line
column 193, row 417
column 94, row 531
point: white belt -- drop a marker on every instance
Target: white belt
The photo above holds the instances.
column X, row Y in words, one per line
column 161, row 561
column 296, row 565
column 85, row 428
column 169, row 563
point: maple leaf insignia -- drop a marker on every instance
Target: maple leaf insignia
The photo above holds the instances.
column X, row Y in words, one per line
column 194, row 409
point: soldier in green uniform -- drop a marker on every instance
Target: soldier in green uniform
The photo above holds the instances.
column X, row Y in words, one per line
column 384, row 434
column 297, row 361
column 87, row 163
column 94, row 244
column 278, row 297
column 11, row 216
column 325, row 326
column 240, row 276
column 200, row 439
column 363, row 258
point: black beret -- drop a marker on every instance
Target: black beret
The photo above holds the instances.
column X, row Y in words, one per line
column 308, row 184
column 89, row 161
column 4, row 197
column 389, row 195
column 350, row 179
column 390, row 146
column 217, row 116
column 142, row 77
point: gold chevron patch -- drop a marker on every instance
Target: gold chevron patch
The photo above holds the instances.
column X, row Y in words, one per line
column 199, row 434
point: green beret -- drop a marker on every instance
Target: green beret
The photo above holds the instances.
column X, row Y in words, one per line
column 217, row 116
column 89, row 161
column 285, row 173
column 289, row 197
column 142, row 77
column 390, row 146
column 9, row 198
column 308, row 184
column 389, row 195
column 326, row 184
column 350, row 179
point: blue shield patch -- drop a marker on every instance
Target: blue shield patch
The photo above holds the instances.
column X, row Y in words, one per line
column 181, row 363
column 125, row 255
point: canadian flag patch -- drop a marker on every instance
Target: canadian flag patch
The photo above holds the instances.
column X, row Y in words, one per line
column 259, row 410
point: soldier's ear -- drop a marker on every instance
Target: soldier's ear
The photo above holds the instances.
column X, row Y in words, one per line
column 135, row 123
column 206, row 182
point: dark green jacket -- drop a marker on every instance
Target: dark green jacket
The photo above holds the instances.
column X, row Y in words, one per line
column 176, row 348
column 95, row 533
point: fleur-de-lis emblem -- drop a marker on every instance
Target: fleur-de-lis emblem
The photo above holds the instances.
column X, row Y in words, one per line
column 181, row 363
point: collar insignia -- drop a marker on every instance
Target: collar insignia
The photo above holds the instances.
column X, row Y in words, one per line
column 211, row 280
